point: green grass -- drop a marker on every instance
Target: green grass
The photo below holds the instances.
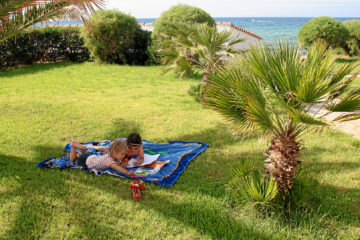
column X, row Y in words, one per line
column 341, row 61
column 42, row 106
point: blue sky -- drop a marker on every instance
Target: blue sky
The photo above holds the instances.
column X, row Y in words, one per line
column 244, row 8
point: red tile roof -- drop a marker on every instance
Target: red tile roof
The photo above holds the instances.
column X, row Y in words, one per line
column 145, row 24
column 238, row 28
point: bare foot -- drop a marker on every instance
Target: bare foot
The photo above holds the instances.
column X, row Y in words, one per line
column 78, row 145
column 75, row 143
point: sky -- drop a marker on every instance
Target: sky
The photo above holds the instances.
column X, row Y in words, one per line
column 244, row 8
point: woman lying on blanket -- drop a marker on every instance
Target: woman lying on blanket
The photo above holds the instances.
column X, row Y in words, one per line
column 134, row 144
column 112, row 159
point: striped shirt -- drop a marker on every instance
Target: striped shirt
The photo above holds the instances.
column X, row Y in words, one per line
column 103, row 161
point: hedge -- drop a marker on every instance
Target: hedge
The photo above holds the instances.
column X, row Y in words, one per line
column 44, row 44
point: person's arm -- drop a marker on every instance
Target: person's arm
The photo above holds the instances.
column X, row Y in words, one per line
column 141, row 156
column 124, row 164
column 121, row 169
column 100, row 148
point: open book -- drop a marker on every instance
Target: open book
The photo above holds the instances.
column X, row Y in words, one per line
column 148, row 159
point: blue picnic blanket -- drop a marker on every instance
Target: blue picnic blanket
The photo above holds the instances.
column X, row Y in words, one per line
column 178, row 153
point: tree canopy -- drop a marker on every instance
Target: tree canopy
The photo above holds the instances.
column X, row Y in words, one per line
column 110, row 35
column 332, row 31
column 180, row 13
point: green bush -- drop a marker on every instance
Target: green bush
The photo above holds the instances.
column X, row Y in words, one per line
column 353, row 44
column 43, row 44
column 340, row 51
column 251, row 186
column 195, row 92
column 116, row 37
column 326, row 28
column 166, row 28
column 180, row 13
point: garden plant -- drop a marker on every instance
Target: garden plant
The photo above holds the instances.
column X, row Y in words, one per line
column 115, row 37
column 170, row 24
column 15, row 16
column 327, row 29
column 353, row 43
column 274, row 91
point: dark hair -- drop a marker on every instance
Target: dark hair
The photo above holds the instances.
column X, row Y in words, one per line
column 134, row 139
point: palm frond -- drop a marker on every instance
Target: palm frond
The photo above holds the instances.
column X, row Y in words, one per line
column 277, row 66
column 18, row 15
column 342, row 86
column 257, row 114
column 240, row 98
column 347, row 117
column 303, row 117
column 349, row 103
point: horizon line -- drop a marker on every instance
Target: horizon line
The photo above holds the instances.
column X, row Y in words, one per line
column 266, row 17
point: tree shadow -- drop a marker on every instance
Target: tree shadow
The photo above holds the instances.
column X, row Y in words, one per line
column 347, row 60
column 34, row 186
column 210, row 177
column 32, row 189
column 223, row 224
column 334, row 203
column 34, row 68
column 216, row 137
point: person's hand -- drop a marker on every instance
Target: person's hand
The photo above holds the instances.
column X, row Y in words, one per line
column 138, row 163
column 130, row 173
column 124, row 164
column 90, row 146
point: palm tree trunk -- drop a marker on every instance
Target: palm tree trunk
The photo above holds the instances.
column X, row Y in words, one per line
column 203, row 84
column 282, row 160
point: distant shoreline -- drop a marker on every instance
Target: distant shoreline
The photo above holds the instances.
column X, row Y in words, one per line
column 269, row 28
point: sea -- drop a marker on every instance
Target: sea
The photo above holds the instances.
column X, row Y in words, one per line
column 271, row 29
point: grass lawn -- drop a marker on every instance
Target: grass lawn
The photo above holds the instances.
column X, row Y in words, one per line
column 42, row 106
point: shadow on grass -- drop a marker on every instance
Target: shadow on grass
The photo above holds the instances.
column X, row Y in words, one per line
column 122, row 128
column 330, row 206
column 210, row 220
column 217, row 137
column 200, row 182
column 34, row 68
column 29, row 196
column 347, row 60
column 41, row 195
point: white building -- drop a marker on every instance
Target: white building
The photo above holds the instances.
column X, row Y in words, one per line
column 250, row 38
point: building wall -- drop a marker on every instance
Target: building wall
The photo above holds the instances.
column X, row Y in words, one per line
column 147, row 27
column 249, row 40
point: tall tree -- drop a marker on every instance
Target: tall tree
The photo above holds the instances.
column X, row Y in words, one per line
column 17, row 15
column 274, row 91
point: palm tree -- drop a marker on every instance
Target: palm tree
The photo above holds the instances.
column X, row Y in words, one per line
column 274, row 91
column 197, row 46
column 17, row 15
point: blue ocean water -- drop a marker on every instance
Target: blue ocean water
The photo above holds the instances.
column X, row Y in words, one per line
column 269, row 28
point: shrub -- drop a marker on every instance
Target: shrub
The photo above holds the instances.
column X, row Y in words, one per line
column 43, row 44
column 166, row 29
column 115, row 37
column 180, row 13
column 326, row 28
column 250, row 186
column 340, row 51
column 353, row 44
column 195, row 92
column 302, row 191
